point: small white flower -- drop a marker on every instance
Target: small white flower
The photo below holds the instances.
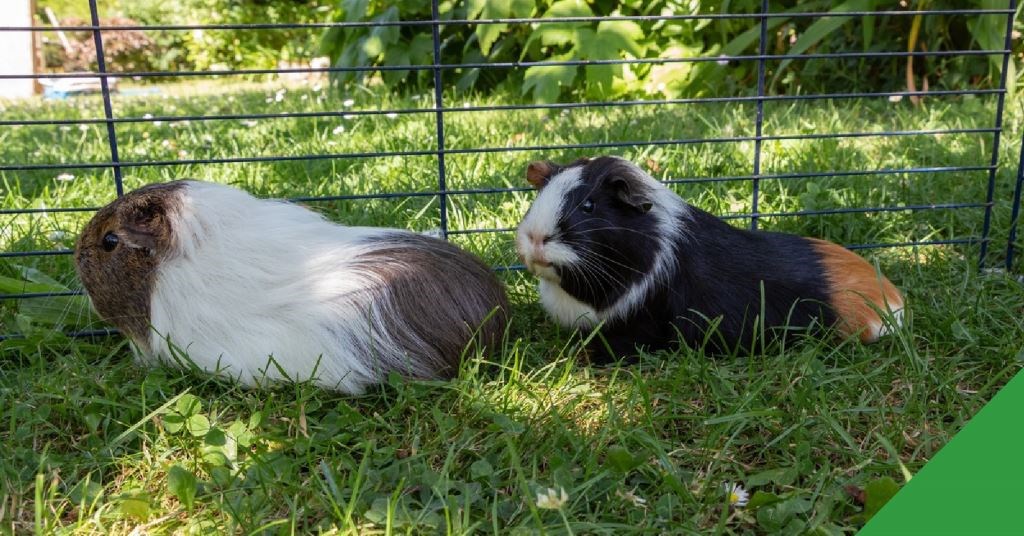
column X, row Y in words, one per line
column 724, row 61
column 57, row 236
column 895, row 98
column 83, row 128
column 738, row 496
column 165, row 144
column 552, row 499
column 147, row 116
column 317, row 87
column 348, row 103
column 348, row 116
column 391, row 115
column 279, row 96
column 65, row 177
column 207, row 138
column 304, row 97
column 139, row 150
column 338, row 130
column 249, row 123
column 182, row 153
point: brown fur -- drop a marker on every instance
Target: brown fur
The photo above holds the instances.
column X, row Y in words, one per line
column 440, row 295
column 857, row 290
column 120, row 282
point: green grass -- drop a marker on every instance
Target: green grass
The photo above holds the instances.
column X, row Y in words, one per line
column 93, row 443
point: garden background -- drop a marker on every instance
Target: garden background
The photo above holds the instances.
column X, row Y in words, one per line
column 821, row 433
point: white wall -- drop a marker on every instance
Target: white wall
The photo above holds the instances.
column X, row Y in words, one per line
column 16, row 48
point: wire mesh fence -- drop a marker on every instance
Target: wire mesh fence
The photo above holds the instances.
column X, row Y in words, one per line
column 744, row 152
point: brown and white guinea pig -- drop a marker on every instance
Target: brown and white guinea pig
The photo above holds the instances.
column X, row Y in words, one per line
column 234, row 281
column 612, row 245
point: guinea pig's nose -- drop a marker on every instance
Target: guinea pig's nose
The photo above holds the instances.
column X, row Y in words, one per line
column 537, row 239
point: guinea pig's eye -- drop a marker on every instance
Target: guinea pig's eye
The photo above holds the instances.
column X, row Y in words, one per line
column 109, row 242
column 587, row 206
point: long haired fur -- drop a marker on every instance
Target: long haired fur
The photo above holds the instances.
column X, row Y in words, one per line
column 264, row 289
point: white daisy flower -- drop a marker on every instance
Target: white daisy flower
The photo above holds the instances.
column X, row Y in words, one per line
column 348, row 103
column 65, row 177
column 738, row 497
column 338, row 130
column 552, row 499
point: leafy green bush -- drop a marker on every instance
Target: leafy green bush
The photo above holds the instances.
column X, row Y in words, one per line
column 666, row 39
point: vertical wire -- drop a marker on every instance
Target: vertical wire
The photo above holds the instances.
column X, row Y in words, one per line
column 762, row 47
column 108, row 110
column 990, row 195
column 1015, row 211
column 439, row 106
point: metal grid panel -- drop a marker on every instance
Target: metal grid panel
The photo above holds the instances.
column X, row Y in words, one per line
column 442, row 148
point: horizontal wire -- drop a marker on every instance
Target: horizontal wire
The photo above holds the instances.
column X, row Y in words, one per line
column 73, row 334
column 496, row 108
column 518, row 267
column 483, row 150
column 823, row 212
column 481, row 22
column 504, row 190
column 511, row 64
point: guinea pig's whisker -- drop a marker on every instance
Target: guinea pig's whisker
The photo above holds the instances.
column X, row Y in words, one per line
column 600, row 257
column 600, row 271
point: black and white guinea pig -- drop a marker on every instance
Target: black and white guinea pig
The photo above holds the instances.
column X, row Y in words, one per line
column 612, row 245
column 234, row 281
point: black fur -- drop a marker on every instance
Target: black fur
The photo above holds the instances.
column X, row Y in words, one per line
column 723, row 278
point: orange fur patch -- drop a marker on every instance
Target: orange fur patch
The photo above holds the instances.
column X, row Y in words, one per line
column 856, row 291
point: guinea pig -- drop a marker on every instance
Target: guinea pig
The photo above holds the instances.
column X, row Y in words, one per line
column 235, row 282
column 614, row 247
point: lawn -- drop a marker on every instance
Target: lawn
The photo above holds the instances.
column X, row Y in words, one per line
column 93, row 443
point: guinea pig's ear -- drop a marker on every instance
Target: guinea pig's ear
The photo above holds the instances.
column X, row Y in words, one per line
column 631, row 192
column 540, row 172
column 145, row 224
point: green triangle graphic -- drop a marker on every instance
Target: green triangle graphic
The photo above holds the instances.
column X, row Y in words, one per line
column 974, row 484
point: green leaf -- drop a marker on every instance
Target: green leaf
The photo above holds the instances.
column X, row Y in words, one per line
column 188, row 405
column 487, row 34
column 521, row 9
column 481, row 468
column 762, row 498
column 85, row 491
column 561, row 33
column 182, row 483
column 546, row 81
column 619, row 36
column 174, row 422
column 198, row 425
column 621, row 459
column 782, row 476
column 137, row 507
column 877, row 493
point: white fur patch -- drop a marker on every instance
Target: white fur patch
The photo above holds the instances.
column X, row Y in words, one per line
column 565, row 309
column 542, row 218
column 253, row 280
